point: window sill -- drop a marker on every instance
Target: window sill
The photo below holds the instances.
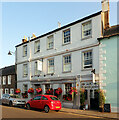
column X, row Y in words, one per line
column 87, row 69
column 36, row 52
column 87, row 37
column 67, row 71
column 66, row 43
column 50, row 48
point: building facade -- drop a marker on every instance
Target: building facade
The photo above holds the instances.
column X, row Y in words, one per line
column 8, row 80
column 109, row 66
column 63, row 57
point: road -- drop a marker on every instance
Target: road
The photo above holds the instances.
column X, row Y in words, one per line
column 16, row 112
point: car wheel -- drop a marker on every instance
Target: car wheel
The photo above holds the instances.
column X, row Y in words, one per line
column 10, row 104
column 46, row 109
column 28, row 107
column 57, row 110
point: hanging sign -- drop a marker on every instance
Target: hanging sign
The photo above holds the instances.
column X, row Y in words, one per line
column 39, row 65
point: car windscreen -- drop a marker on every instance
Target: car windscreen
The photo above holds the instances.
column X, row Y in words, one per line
column 14, row 96
column 54, row 98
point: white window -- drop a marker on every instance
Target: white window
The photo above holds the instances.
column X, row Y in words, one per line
column 11, row 91
column 37, row 46
column 24, row 50
column 37, row 72
column 25, row 70
column 68, row 87
column 9, row 79
column 86, row 29
column 4, row 80
column 51, row 66
column 87, row 59
column 25, row 88
column 66, row 36
column 6, row 91
column 66, row 63
column 50, row 42
column 0, row 80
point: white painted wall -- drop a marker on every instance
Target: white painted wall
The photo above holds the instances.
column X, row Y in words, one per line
column 76, row 42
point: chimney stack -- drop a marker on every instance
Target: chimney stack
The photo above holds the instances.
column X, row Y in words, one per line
column 105, row 14
column 59, row 25
column 24, row 39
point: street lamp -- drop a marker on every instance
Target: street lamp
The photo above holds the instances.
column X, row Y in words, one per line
column 10, row 53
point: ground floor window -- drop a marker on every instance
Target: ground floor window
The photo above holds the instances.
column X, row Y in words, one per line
column 11, row 91
column 47, row 86
column 67, row 87
column 25, row 88
column 6, row 91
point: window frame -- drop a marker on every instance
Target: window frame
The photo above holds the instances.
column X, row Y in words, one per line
column 25, row 50
column 35, row 44
column 46, row 88
column 36, row 71
column 4, row 80
column 90, row 50
column 25, row 75
column 50, row 66
column 68, row 29
column 70, row 63
column 67, row 89
column 25, row 86
column 88, row 36
column 48, row 38
column 5, row 91
column 9, row 79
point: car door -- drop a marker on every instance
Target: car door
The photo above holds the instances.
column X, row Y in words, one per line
column 36, row 102
column 44, row 101
column 3, row 99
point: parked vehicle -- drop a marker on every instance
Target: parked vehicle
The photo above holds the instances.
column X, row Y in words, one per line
column 13, row 100
column 45, row 102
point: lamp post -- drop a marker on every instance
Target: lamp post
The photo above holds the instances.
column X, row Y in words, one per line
column 11, row 53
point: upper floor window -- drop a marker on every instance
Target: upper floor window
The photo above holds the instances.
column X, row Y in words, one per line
column 24, row 50
column 87, row 59
column 37, row 71
column 66, row 63
column 50, row 42
column 25, row 70
column 37, row 46
column 4, row 80
column 66, row 36
column 86, row 29
column 51, row 66
column 9, row 79
column 0, row 80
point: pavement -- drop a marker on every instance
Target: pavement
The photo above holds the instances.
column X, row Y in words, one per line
column 91, row 113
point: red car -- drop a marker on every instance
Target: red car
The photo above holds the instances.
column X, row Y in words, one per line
column 45, row 102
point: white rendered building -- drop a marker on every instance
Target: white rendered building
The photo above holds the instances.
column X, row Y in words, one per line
column 62, row 58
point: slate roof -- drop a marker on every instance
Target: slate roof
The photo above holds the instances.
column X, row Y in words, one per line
column 10, row 70
column 111, row 31
column 70, row 24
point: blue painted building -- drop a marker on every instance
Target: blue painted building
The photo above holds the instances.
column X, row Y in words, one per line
column 109, row 66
